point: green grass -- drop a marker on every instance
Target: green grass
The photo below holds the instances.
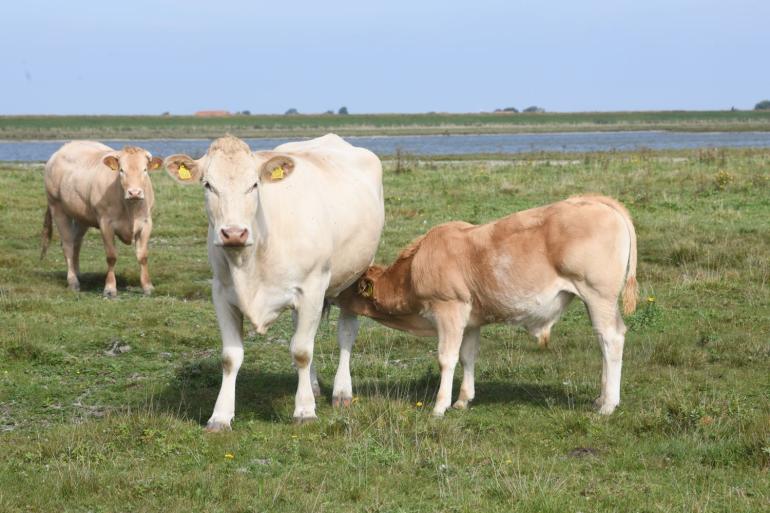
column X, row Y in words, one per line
column 83, row 431
column 138, row 127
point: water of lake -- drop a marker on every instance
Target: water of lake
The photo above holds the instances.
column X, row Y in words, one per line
column 444, row 144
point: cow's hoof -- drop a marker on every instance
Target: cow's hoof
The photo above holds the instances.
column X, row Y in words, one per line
column 216, row 426
column 74, row 287
column 341, row 401
column 110, row 293
column 461, row 404
column 148, row 290
column 304, row 420
column 438, row 412
column 607, row 409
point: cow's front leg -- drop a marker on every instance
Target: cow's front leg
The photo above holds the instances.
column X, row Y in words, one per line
column 142, row 250
column 313, row 372
column 309, row 309
column 347, row 329
column 468, row 353
column 108, row 238
column 450, row 323
column 230, row 321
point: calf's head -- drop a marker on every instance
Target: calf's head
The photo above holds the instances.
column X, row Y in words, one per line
column 232, row 177
column 132, row 165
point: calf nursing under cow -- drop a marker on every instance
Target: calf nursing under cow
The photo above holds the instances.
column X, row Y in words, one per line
column 523, row 269
column 298, row 227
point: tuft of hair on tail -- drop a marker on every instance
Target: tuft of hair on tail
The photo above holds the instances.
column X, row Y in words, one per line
column 630, row 294
column 47, row 232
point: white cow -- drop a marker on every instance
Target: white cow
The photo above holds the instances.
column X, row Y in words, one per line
column 288, row 228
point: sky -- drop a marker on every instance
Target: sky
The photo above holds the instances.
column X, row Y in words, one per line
column 149, row 57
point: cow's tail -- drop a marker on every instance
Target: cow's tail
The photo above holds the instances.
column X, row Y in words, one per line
column 47, row 232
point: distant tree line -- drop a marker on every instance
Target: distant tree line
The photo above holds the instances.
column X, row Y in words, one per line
column 763, row 105
column 529, row 110
column 343, row 111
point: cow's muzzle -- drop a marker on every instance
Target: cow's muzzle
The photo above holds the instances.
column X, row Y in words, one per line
column 234, row 236
column 134, row 194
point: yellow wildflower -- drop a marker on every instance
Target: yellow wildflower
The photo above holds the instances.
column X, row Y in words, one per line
column 229, row 456
column 419, row 404
column 651, row 299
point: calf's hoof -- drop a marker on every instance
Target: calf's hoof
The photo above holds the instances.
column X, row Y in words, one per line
column 461, row 404
column 217, row 426
column 304, row 420
column 341, row 401
column 110, row 293
column 148, row 290
column 74, row 287
column 438, row 412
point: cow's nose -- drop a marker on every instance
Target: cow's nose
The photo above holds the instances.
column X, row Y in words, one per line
column 234, row 235
column 134, row 193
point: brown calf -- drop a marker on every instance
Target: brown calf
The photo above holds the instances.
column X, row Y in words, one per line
column 523, row 269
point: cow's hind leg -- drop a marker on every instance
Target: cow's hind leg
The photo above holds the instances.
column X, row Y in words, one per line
column 68, row 235
column 79, row 231
column 308, row 317
column 610, row 332
column 347, row 329
column 230, row 321
column 469, row 350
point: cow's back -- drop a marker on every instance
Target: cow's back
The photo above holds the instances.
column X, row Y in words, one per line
column 330, row 212
column 76, row 179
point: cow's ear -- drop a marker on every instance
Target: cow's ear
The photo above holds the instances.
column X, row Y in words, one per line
column 182, row 168
column 154, row 163
column 111, row 161
column 276, row 169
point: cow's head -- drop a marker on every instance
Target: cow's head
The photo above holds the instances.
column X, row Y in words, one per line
column 132, row 165
column 232, row 176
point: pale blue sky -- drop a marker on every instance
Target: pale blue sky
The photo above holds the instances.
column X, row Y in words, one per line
column 145, row 57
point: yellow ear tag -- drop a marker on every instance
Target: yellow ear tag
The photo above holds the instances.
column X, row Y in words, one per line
column 277, row 173
column 368, row 290
column 184, row 173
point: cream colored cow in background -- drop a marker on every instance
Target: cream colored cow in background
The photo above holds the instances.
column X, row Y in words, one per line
column 523, row 269
column 90, row 185
column 288, row 228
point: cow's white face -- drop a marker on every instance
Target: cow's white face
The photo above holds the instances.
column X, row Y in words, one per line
column 232, row 177
column 132, row 165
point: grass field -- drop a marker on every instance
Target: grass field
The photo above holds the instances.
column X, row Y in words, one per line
column 84, row 431
column 139, row 127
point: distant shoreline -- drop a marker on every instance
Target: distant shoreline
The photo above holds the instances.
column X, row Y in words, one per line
column 17, row 128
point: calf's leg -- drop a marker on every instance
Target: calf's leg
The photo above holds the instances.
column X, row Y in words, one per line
column 469, row 350
column 451, row 319
column 610, row 332
column 347, row 329
column 230, row 320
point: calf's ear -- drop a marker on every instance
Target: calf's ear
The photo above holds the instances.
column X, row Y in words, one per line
column 182, row 168
column 111, row 161
column 276, row 169
column 154, row 163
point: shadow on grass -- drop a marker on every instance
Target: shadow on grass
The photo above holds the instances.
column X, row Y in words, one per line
column 263, row 395
column 89, row 282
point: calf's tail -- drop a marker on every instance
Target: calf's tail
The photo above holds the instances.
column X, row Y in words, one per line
column 47, row 232
column 631, row 289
